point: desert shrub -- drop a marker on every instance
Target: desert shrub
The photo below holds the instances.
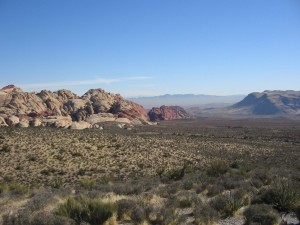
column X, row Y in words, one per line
column 205, row 215
column 127, row 189
column 187, row 184
column 261, row 214
column 44, row 218
column 262, row 175
column 215, row 189
column 168, row 190
column 256, row 183
column 22, row 217
column 81, row 172
column 39, row 200
column 125, row 207
column 185, row 199
column 283, row 194
column 17, row 189
column 160, row 171
column 217, row 168
column 138, row 215
column 87, row 183
column 232, row 182
column 56, row 183
column 3, row 187
column 82, row 209
column 176, row 174
column 227, row 204
column 5, row 148
column 297, row 212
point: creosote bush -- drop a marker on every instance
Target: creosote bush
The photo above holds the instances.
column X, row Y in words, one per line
column 283, row 194
column 82, row 209
column 227, row 204
column 205, row 215
column 87, row 183
column 261, row 214
column 14, row 188
column 217, row 167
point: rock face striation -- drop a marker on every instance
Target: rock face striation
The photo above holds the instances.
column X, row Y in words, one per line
column 269, row 103
column 168, row 113
column 63, row 108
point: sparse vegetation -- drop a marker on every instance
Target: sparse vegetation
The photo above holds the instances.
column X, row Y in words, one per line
column 149, row 176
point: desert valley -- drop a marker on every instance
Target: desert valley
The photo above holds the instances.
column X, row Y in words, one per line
column 102, row 159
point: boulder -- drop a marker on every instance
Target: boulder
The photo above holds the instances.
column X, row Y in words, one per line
column 100, row 118
column 36, row 122
column 120, row 125
column 97, row 126
column 24, row 123
column 63, row 121
column 57, row 121
column 13, row 120
column 80, row 125
column 123, row 120
column 2, row 122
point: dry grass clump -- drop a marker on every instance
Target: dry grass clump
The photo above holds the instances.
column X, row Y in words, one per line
column 82, row 209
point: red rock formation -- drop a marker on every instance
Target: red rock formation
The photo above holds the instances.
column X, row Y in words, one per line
column 29, row 105
column 168, row 113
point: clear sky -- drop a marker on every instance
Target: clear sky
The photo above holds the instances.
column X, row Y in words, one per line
column 151, row 47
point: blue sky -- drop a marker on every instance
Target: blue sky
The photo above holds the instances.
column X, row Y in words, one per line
column 151, row 47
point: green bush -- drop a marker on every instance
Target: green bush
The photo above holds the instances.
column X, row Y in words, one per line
column 82, row 209
column 261, row 214
column 227, row 204
column 283, row 194
column 176, row 174
column 262, row 175
column 17, row 188
column 217, row 168
column 138, row 215
column 87, row 183
column 205, row 215
column 125, row 207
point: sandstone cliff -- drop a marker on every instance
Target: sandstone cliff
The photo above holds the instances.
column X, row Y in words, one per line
column 168, row 113
column 51, row 107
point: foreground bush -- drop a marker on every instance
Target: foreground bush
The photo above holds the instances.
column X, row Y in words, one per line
column 227, row 204
column 217, row 168
column 205, row 215
column 283, row 194
column 82, row 209
column 14, row 188
column 261, row 214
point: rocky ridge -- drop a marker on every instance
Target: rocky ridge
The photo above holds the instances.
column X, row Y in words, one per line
column 63, row 108
column 168, row 113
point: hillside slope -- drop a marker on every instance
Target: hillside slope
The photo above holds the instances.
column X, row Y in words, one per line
column 269, row 103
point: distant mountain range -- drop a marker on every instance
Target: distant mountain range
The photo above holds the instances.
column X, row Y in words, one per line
column 270, row 103
column 188, row 100
column 267, row 103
